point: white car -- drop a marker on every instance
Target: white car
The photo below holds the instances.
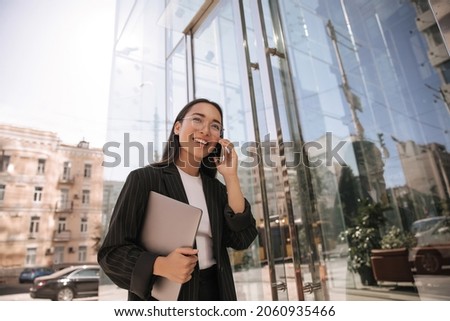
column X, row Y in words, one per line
column 425, row 224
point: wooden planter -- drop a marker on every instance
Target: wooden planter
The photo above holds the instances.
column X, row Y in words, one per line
column 391, row 265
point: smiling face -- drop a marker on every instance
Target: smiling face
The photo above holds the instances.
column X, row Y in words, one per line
column 199, row 131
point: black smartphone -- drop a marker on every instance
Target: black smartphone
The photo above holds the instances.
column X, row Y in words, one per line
column 218, row 153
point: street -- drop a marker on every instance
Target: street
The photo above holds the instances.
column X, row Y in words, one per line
column 20, row 292
column 16, row 288
column 253, row 284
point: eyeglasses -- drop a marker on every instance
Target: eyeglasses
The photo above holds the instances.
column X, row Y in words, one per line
column 199, row 122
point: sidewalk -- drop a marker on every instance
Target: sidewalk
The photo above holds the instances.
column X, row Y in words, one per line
column 252, row 285
column 380, row 293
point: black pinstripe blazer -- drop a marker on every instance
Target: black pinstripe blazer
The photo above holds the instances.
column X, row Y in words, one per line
column 130, row 266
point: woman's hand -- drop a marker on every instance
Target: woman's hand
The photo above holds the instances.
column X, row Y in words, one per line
column 229, row 170
column 177, row 266
column 228, row 166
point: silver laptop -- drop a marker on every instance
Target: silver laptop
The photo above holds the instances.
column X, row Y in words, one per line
column 169, row 224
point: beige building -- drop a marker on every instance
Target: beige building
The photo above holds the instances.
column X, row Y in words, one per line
column 50, row 200
column 432, row 178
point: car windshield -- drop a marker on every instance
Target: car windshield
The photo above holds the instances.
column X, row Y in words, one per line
column 63, row 272
column 425, row 224
column 86, row 273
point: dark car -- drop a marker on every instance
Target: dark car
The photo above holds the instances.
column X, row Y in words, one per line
column 68, row 284
column 29, row 274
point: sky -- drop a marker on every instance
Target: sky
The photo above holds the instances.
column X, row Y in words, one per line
column 55, row 66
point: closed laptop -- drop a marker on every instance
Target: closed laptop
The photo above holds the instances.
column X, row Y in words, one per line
column 169, row 224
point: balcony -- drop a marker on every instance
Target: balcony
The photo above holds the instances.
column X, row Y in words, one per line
column 66, row 180
column 62, row 236
column 445, row 90
column 64, row 207
column 425, row 20
column 438, row 55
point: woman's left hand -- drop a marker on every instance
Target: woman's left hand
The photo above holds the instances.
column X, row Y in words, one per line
column 229, row 170
column 228, row 166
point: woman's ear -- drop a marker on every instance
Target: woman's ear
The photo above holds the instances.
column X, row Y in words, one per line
column 176, row 128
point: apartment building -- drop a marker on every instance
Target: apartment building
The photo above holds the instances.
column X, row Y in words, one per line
column 50, row 200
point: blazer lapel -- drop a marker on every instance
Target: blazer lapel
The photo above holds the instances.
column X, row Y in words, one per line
column 173, row 184
column 215, row 218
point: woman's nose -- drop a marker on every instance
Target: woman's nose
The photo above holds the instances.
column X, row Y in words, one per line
column 205, row 129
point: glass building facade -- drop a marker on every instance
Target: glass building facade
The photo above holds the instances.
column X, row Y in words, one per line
column 340, row 114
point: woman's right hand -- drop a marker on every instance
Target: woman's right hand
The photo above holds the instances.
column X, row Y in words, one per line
column 178, row 265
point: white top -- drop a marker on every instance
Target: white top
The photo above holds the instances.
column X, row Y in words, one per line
column 194, row 191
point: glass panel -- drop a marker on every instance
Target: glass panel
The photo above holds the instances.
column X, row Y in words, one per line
column 136, row 115
column 217, row 78
column 179, row 14
column 136, row 128
column 367, row 94
column 179, row 17
column 285, row 139
column 177, row 87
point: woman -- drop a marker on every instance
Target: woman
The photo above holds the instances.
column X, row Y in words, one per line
column 186, row 173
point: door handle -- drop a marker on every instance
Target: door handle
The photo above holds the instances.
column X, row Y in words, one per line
column 280, row 286
column 254, row 65
column 275, row 52
column 310, row 287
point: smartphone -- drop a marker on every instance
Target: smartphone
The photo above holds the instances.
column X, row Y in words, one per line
column 218, row 153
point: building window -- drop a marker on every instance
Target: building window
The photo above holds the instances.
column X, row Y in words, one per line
column 445, row 67
column 66, row 171
column 41, row 166
column 82, row 253
column 85, row 197
column 422, row 6
column 84, row 225
column 2, row 192
column 34, row 224
column 4, row 163
column 30, row 258
column 61, row 224
column 65, row 204
column 87, row 170
column 58, row 257
column 38, row 194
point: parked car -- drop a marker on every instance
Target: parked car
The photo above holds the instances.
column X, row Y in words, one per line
column 68, row 284
column 29, row 274
column 425, row 224
column 433, row 246
column 60, row 266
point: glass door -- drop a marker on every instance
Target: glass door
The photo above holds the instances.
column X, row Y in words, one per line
column 298, row 223
column 260, row 272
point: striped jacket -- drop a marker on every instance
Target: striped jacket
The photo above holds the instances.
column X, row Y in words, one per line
column 130, row 266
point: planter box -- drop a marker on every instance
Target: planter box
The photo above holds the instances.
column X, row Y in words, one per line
column 391, row 265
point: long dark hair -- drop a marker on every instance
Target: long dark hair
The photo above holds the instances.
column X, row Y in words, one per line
column 172, row 149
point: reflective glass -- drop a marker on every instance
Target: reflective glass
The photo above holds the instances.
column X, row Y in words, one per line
column 365, row 80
